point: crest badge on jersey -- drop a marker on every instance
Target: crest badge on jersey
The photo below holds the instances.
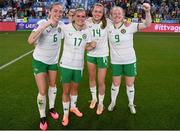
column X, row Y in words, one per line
column 110, row 32
column 84, row 36
column 123, row 31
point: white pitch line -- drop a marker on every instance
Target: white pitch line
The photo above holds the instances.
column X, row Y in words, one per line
column 11, row 62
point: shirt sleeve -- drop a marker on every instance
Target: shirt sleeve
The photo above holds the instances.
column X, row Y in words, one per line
column 89, row 37
column 39, row 23
column 134, row 27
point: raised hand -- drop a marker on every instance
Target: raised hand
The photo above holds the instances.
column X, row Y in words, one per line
column 146, row 7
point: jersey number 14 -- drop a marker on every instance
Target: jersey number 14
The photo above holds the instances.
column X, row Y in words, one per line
column 96, row 32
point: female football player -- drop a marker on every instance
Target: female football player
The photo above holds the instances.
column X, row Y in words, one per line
column 97, row 59
column 123, row 58
column 47, row 40
column 76, row 39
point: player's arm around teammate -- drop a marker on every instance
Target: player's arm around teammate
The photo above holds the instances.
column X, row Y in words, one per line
column 91, row 45
column 47, row 39
column 123, row 58
column 72, row 62
column 97, row 59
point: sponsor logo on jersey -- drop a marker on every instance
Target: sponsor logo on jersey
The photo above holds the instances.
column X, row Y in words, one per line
column 70, row 34
column 48, row 30
column 123, row 31
column 84, row 36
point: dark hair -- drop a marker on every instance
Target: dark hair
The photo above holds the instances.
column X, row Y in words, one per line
column 103, row 19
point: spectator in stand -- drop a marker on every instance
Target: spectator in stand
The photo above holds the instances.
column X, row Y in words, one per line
column 161, row 9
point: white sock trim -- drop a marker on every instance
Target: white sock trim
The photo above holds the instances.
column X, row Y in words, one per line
column 114, row 93
column 41, row 102
column 66, row 108
column 73, row 100
column 130, row 90
column 93, row 92
column 101, row 99
column 52, row 91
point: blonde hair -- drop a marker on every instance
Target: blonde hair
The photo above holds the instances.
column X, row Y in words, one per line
column 78, row 10
column 117, row 8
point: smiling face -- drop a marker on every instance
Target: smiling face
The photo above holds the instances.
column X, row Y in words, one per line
column 80, row 17
column 56, row 12
column 97, row 12
column 117, row 15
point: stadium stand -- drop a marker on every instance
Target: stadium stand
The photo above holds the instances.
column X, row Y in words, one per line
column 167, row 11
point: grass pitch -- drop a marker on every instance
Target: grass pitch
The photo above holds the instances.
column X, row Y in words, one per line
column 156, row 95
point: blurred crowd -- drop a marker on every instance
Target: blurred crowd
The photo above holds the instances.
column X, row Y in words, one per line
column 10, row 10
